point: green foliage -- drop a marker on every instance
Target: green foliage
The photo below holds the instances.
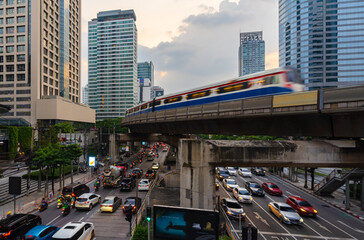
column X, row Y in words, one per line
column 34, row 175
column 141, row 232
column 111, row 123
column 71, row 152
column 65, row 127
column 25, row 137
column 13, row 141
column 225, row 238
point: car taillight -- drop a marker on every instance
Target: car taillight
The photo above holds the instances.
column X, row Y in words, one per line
column 86, row 202
column 147, row 185
column 123, row 207
column 134, row 207
column 6, row 234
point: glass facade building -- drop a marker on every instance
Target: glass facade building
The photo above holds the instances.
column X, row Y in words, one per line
column 146, row 80
column 251, row 53
column 112, row 58
column 324, row 40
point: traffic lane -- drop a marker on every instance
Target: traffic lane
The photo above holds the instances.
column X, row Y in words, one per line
column 328, row 218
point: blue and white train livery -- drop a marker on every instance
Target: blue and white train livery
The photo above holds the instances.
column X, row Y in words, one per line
column 271, row 82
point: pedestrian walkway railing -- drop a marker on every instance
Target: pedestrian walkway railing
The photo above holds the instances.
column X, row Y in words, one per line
column 230, row 229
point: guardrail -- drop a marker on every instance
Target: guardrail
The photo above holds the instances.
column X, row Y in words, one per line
column 232, row 232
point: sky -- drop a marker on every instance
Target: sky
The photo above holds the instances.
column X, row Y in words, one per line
column 191, row 42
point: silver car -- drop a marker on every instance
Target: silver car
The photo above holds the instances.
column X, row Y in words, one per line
column 242, row 195
column 232, row 171
column 285, row 213
column 230, row 184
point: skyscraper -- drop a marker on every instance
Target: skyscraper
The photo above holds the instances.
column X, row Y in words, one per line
column 251, row 53
column 324, row 40
column 40, row 52
column 85, row 94
column 112, row 73
column 146, row 80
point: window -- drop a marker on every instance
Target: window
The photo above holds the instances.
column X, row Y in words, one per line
column 21, row 48
column 9, row 11
column 9, row 2
column 10, row 20
column 20, row 77
column 10, row 68
column 21, row 58
column 10, row 58
column 21, row 67
column 21, row 19
column 20, row 39
column 1, row 21
column 21, row 1
column 21, row 10
column 9, row 39
column 10, row 49
column 10, row 30
column 1, row 30
column 1, row 2
column 21, row 29
column 1, row 12
column 10, row 77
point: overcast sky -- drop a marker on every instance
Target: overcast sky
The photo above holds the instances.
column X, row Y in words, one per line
column 191, row 42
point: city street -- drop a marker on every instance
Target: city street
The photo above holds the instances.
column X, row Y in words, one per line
column 330, row 223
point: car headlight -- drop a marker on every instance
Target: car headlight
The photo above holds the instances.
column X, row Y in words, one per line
column 315, row 211
column 240, row 198
column 228, row 212
column 285, row 218
column 251, row 198
column 303, row 210
column 243, row 214
column 301, row 220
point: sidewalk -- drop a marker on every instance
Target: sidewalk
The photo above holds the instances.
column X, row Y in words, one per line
column 337, row 199
column 30, row 203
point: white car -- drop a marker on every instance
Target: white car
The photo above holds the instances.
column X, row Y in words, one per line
column 144, row 185
column 76, row 230
column 87, row 201
column 242, row 195
column 232, row 171
column 155, row 166
column 230, row 184
column 244, row 172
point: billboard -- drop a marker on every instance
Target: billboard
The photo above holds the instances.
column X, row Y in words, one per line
column 92, row 161
column 185, row 223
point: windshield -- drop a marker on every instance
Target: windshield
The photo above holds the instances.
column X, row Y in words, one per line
column 224, row 172
column 272, row 186
column 231, row 168
column 244, row 192
column 126, row 181
column 233, row 205
column 108, row 201
column 304, row 204
column 129, row 201
column 230, row 181
column 287, row 209
column 245, row 170
column 254, row 185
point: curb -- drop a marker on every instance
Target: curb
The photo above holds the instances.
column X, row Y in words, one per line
column 321, row 198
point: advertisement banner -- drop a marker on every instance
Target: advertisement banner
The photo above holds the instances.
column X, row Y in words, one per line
column 185, row 223
column 92, row 161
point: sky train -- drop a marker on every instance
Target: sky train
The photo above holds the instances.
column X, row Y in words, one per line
column 271, row 82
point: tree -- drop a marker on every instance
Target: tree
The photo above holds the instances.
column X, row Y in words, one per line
column 71, row 153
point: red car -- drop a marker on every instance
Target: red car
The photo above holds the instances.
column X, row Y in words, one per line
column 302, row 206
column 272, row 189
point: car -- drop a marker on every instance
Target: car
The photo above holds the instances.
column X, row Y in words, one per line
column 75, row 189
column 137, row 173
column 127, row 184
column 17, row 225
column 242, row 195
column 155, row 166
column 76, row 230
column 165, row 149
column 133, row 202
column 223, row 174
column 232, row 171
column 285, row 213
column 110, row 204
column 254, row 188
column 301, row 206
column 150, row 174
column 150, row 157
column 87, row 201
column 41, row 232
column 217, row 184
column 144, row 185
column 272, row 188
column 244, row 172
column 229, row 184
column 233, row 209
column 258, row 171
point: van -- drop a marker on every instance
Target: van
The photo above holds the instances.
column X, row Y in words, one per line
column 76, row 189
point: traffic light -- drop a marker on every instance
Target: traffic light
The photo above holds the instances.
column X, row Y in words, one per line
column 128, row 215
column 149, row 214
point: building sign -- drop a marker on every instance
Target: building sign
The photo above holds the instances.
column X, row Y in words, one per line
column 92, row 161
column 251, row 36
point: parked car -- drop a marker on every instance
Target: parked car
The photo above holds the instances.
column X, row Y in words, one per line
column 244, row 172
column 301, row 206
column 127, row 184
column 223, row 174
column 76, row 230
column 155, row 166
column 242, row 195
column 110, row 204
column 150, row 174
column 144, row 185
column 258, row 171
column 272, row 189
column 76, row 189
column 285, row 213
column 232, row 171
column 17, row 225
column 87, row 201
column 137, row 173
column 132, row 202
column 229, row 184
column 41, row 232
column 233, row 209
column 254, row 188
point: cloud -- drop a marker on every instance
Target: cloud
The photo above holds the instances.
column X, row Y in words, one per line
column 206, row 51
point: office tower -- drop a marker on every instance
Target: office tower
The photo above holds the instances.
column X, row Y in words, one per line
column 146, row 80
column 112, row 73
column 251, row 53
column 40, row 53
column 85, row 94
column 323, row 40
column 157, row 91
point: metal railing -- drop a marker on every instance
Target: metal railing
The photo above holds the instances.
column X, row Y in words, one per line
column 336, row 173
column 232, row 232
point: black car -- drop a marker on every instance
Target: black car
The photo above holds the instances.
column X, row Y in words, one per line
column 76, row 189
column 150, row 174
column 223, row 174
column 127, row 184
column 137, row 173
column 254, row 188
column 233, row 209
column 17, row 225
column 258, row 171
column 133, row 203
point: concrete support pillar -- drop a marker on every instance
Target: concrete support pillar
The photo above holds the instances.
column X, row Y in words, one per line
column 305, row 186
column 312, row 178
column 113, row 148
column 347, row 194
column 362, row 194
column 197, row 181
column 355, row 189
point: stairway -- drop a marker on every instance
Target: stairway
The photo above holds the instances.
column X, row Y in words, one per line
column 336, row 179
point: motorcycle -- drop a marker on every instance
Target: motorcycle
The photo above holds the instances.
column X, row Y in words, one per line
column 59, row 203
column 66, row 210
column 96, row 188
column 42, row 207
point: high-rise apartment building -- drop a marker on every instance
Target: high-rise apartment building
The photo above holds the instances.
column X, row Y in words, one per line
column 324, row 40
column 251, row 53
column 112, row 73
column 85, row 94
column 146, row 80
column 40, row 51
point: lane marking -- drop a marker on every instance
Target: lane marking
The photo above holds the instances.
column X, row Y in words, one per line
column 53, row 220
column 356, row 230
column 321, row 226
column 257, row 216
column 303, row 236
column 80, row 219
